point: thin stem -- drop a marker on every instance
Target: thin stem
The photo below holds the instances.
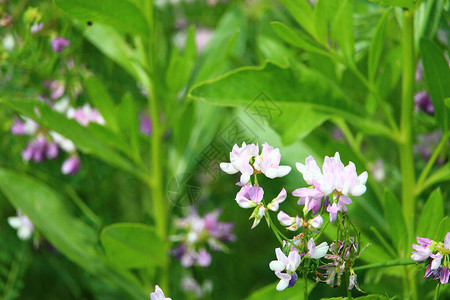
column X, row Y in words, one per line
column 436, row 293
column 305, row 279
column 347, row 284
column 392, row 263
column 405, row 142
column 432, row 160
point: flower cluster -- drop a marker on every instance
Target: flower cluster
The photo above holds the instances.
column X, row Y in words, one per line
column 196, row 233
column 436, row 256
column 334, row 180
column 45, row 144
column 330, row 190
column 248, row 161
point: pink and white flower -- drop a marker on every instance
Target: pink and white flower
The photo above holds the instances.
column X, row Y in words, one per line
column 158, row 294
column 23, row 224
column 289, row 263
column 268, row 162
column 240, row 161
column 317, row 252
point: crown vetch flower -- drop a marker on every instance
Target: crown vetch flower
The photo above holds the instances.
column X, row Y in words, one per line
column 268, row 162
column 158, row 294
column 317, row 252
column 59, row 43
column 240, row 161
column 289, row 263
column 274, row 205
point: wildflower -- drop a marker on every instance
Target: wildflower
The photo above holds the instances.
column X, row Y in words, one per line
column 29, row 127
column 56, row 88
column 64, row 143
column 196, row 233
column 339, row 206
column 202, row 38
column 23, row 224
column 158, row 294
column 249, row 196
column 422, row 251
column 275, row 203
column 145, row 124
column 268, row 162
column 423, row 102
column 36, row 27
column 38, row 150
column 317, row 252
column 289, row 263
column 58, row 44
column 71, row 165
column 8, row 42
column 240, row 161
column 86, row 114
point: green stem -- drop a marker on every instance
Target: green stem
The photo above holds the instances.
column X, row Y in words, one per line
column 405, row 143
column 392, row 263
column 436, row 293
column 347, row 284
column 305, row 279
column 434, row 156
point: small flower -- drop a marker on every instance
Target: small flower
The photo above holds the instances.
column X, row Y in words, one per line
column 145, row 124
column 64, row 143
column 38, row 150
column 86, row 114
column 56, row 88
column 317, row 252
column 23, row 224
column 316, row 222
column 249, row 196
column 275, row 203
column 422, row 250
column 203, row 258
column 240, row 161
column 289, row 263
column 423, row 102
column 29, row 127
column 58, row 44
column 337, row 207
column 158, row 294
column 268, row 162
column 71, row 165
column 36, row 27
column 285, row 219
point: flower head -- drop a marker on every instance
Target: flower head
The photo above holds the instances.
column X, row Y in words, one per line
column 289, row 263
column 240, row 161
column 317, row 252
column 58, row 44
column 268, row 162
column 71, row 165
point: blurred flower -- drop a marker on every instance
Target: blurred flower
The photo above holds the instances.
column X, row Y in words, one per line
column 71, row 165
column 65, row 144
column 289, row 263
column 56, row 88
column 86, row 114
column 268, row 162
column 377, row 170
column 8, row 42
column 423, row 102
column 29, row 127
column 6, row 20
column 158, row 294
column 202, row 38
column 317, row 252
column 58, row 44
column 36, row 27
column 195, row 233
column 39, row 149
column 419, row 71
column 145, row 124
column 23, row 224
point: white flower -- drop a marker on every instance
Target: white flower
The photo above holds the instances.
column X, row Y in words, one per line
column 317, row 252
column 289, row 263
column 240, row 161
column 269, row 162
column 158, row 294
column 23, row 224
column 275, row 203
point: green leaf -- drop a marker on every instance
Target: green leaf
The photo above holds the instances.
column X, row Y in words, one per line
column 73, row 238
column 343, row 29
column 114, row 46
column 398, row 3
column 321, row 20
column 442, row 229
column 270, row 292
column 133, row 245
column 296, row 39
column 394, row 219
column 437, row 76
column 432, row 214
column 102, row 101
column 290, row 89
column 47, row 212
column 121, row 14
column 302, row 12
column 376, row 46
column 130, row 124
column 84, row 137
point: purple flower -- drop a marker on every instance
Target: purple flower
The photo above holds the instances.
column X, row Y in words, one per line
column 289, row 263
column 275, row 203
column 203, row 258
column 56, row 88
column 422, row 251
column 29, row 127
column 58, row 43
column 249, row 196
column 38, row 150
column 71, row 165
column 423, row 102
column 86, row 114
column 145, row 124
